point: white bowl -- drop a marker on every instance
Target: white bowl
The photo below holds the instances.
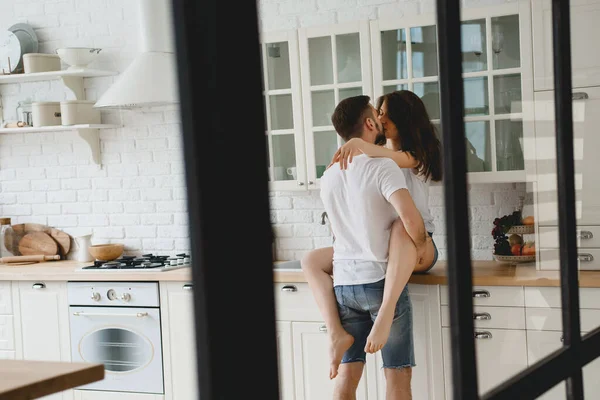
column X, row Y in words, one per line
column 78, row 57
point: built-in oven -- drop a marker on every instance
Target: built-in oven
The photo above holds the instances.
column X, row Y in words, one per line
column 118, row 324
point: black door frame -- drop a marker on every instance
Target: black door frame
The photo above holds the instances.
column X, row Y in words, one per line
column 223, row 134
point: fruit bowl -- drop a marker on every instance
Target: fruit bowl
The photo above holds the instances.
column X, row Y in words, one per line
column 77, row 57
column 514, row 259
column 521, row 230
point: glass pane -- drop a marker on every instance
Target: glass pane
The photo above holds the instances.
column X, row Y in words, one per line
column 323, row 104
column 429, row 92
column 282, row 116
column 269, row 158
column 509, row 145
column 348, row 57
column 284, row 157
column 325, row 147
column 476, row 96
column 505, row 42
column 473, row 45
column 320, row 60
column 345, row 93
column 119, row 349
column 424, row 51
column 393, row 88
column 393, row 54
column 507, row 94
column 479, row 153
column 278, row 66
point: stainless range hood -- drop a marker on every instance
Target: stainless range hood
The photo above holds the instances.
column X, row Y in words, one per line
column 151, row 79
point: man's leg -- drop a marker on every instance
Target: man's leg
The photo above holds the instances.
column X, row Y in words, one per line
column 401, row 264
column 317, row 267
column 347, row 381
column 398, row 383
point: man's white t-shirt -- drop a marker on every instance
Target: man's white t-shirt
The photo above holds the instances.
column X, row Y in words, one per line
column 357, row 204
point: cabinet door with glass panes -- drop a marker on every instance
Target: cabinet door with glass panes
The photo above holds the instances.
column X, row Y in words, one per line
column 335, row 63
column 497, row 82
column 283, row 111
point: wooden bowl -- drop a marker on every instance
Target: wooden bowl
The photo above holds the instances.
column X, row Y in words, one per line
column 106, row 252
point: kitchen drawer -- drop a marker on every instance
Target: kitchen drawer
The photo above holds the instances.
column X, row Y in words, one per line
column 549, row 297
column 492, row 317
column 587, row 236
column 550, row 319
column 7, row 355
column 7, row 333
column 503, row 296
column 5, row 298
column 295, row 302
column 589, row 259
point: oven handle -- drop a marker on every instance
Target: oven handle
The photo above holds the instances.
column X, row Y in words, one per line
column 84, row 314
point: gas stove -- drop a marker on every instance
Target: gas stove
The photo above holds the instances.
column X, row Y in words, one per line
column 145, row 263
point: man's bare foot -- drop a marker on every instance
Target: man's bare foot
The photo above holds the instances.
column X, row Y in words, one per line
column 339, row 344
column 380, row 333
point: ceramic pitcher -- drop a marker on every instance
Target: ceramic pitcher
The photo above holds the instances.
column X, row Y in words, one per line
column 81, row 244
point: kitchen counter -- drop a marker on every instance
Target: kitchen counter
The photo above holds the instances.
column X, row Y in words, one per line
column 485, row 273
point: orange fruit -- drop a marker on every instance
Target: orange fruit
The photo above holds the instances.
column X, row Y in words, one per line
column 528, row 220
column 516, row 249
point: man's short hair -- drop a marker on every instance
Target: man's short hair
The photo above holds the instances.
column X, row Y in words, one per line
column 349, row 116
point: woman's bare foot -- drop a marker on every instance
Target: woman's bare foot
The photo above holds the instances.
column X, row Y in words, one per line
column 339, row 344
column 380, row 332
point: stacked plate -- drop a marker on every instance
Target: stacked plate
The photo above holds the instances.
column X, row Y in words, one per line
column 19, row 39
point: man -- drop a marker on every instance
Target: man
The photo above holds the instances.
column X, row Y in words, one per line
column 362, row 203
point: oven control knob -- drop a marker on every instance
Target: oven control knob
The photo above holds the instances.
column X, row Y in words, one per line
column 125, row 297
column 96, row 296
column 111, row 294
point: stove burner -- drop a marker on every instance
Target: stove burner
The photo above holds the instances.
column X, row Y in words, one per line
column 111, row 264
column 146, row 261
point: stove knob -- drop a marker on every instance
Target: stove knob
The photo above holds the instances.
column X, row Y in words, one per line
column 96, row 296
column 125, row 297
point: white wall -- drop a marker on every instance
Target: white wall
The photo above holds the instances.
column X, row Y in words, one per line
column 139, row 197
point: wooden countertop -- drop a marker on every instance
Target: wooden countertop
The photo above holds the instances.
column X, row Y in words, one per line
column 485, row 273
column 67, row 271
column 34, row 379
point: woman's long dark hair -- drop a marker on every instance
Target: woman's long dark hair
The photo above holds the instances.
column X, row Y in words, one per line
column 416, row 133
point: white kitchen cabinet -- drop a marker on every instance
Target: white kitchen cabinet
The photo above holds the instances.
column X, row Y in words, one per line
column 42, row 331
column 501, row 353
column 428, row 375
column 98, row 395
column 335, row 63
column 585, row 62
column 311, row 363
column 178, row 339
column 286, row 360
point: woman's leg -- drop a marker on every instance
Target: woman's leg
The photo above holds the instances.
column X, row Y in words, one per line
column 318, row 267
column 402, row 262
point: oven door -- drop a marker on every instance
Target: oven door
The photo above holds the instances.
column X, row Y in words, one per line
column 126, row 340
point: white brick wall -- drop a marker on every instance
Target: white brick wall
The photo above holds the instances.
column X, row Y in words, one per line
column 138, row 198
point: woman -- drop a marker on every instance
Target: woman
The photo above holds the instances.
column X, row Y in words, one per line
column 414, row 146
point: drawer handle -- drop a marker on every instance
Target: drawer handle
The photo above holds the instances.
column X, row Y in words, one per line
column 483, row 335
column 481, row 293
column 585, row 235
column 323, row 329
column 187, row 286
column 586, row 257
column 580, row 96
column 38, row 286
column 562, row 338
column 289, row 288
column 482, row 316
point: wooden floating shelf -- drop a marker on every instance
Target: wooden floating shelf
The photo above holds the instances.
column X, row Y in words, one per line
column 52, row 75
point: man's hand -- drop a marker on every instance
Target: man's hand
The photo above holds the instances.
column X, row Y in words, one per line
column 344, row 154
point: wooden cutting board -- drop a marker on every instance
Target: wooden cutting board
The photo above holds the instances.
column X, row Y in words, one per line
column 38, row 243
column 62, row 239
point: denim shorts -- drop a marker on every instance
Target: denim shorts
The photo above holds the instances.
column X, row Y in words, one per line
column 358, row 306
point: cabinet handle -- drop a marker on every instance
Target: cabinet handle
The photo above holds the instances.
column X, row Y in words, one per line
column 38, row 286
column 289, row 288
column 585, row 257
column 580, row 96
column 483, row 335
column 585, row 235
column 323, row 328
column 187, row 286
column 300, row 183
column 311, row 183
column 481, row 293
column 482, row 316
column 562, row 338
